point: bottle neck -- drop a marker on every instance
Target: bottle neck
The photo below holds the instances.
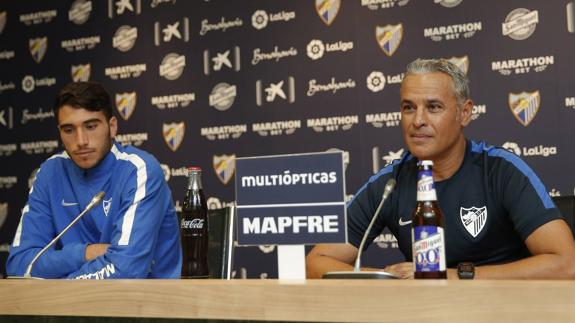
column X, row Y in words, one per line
column 195, row 180
column 425, row 185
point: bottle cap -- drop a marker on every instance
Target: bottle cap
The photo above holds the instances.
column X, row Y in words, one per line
column 195, row 168
column 425, row 163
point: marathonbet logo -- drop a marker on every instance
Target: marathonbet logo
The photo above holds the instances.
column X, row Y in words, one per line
column 383, row 4
column 261, row 19
column 316, row 48
column 39, row 147
column 520, row 23
column 383, row 119
column 224, row 132
column 125, row 71
column 80, row 11
column 121, row 7
column 452, row 32
column 39, row 17
column 220, row 61
column 276, row 128
column 180, row 29
column 79, row 44
column 125, row 38
column 327, row 10
column 331, row 124
column 132, row 139
column 8, row 181
column 172, row 66
column 7, row 149
column 522, row 65
column 171, row 101
column 276, row 90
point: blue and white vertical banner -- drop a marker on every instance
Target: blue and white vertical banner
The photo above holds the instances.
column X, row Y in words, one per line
column 291, row 199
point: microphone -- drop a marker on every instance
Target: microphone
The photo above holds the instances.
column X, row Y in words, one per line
column 357, row 273
column 95, row 200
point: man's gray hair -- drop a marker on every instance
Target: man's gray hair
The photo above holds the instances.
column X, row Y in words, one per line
column 460, row 80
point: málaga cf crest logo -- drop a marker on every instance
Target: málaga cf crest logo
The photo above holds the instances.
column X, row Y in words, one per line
column 389, row 37
column 327, row 10
column 38, row 48
column 126, row 104
column 225, row 167
column 174, row 134
column 524, row 106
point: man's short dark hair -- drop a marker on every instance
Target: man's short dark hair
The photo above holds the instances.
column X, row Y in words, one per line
column 87, row 95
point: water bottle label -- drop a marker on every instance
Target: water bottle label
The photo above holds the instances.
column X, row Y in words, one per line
column 192, row 224
column 428, row 249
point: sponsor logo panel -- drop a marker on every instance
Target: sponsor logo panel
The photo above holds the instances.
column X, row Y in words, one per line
column 276, row 90
column 224, row 132
column 39, row 17
column 133, row 139
column 39, row 147
column 80, row 11
column 523, row 65
column 222, row 25
column 276, row 128
column 38, row 115
column 228, row 59
column 332, row 124
column 333, row 86
column 520, row 23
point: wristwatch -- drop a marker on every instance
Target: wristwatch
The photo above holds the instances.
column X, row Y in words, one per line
column 466, row 270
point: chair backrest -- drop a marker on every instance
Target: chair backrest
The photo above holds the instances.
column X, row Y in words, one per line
column 566, row 205
column 221, row 231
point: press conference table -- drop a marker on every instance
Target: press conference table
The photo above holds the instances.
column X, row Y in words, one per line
column 311, row 300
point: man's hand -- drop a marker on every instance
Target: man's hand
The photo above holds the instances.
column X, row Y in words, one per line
column 403, row 270
column 95, row 250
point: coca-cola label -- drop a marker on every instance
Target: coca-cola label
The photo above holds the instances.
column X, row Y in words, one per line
column 192, row 224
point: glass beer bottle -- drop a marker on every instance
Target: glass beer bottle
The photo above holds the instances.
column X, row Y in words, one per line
column 427, row 235
column 194, row 228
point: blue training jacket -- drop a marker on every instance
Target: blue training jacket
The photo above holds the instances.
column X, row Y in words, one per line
column 136, row 216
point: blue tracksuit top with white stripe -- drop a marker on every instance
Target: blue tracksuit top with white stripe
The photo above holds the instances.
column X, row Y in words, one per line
column 492, row 203
column 136, row 216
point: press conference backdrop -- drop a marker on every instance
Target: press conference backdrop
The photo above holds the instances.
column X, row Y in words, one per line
column 199, row 82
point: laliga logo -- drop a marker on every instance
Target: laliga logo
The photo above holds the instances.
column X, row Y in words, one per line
column 260, row 19
column 512, row 147
column 167, row 172
column 315, row 49
column 376, row 81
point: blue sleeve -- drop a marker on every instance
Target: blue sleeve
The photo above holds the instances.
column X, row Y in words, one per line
column 145, row 199
column 35, row 230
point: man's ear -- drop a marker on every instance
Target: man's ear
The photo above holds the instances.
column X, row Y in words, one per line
column 113, row 127
column 466, row 112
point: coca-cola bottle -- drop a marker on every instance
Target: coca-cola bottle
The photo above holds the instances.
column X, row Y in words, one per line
column 194, row 228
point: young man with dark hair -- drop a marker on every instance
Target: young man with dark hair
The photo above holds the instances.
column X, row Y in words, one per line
column 516, row 231
column 134, row 233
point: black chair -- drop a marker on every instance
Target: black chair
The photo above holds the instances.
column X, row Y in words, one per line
column 566, row 205
column 220, row 254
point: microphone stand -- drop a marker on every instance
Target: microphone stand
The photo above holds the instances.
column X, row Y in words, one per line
column 357, row 273
column 95, row 200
